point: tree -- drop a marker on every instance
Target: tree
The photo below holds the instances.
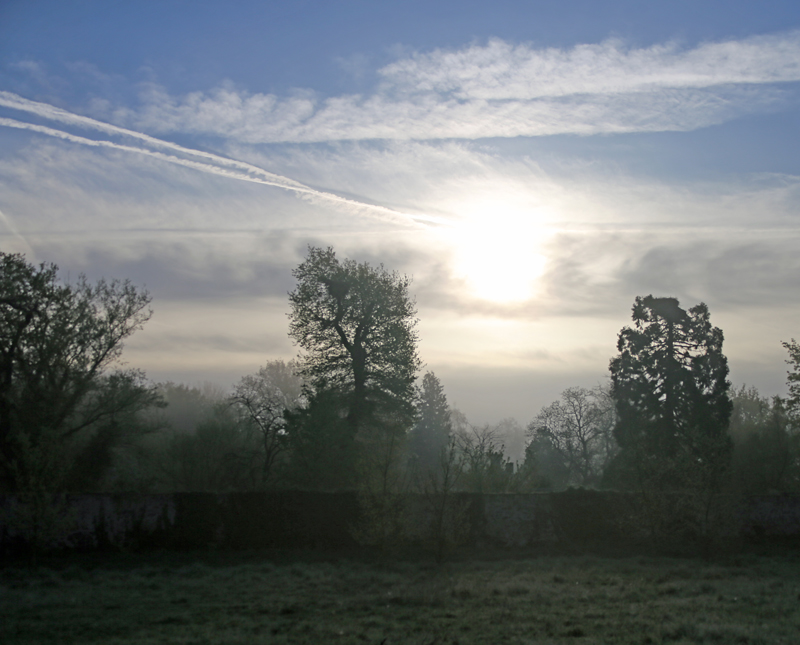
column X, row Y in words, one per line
column 579, row 428
column 793, row 380
column 263, row 399
column 766, row 454
column 486, row 469
column 323, row 449
column 544, row 467
column 432, row 431
column 56, row 343
column 670, row 387
column 356, row 324
column 219, row 454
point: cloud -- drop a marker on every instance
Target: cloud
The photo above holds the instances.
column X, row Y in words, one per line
column 606, row 237
column 504, row 90
column 729, row 270
column 502, row 71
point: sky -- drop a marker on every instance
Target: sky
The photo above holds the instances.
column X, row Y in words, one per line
column 532, row 166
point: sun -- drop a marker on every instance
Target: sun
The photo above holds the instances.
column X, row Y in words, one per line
column 497, row 251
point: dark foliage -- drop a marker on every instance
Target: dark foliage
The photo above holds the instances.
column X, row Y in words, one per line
column 356, row 324
column 431, row 433
column 323, row 446
column 670, row 387
column 766, row 454
column 56, row 343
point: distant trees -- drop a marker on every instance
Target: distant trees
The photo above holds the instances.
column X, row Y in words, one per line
column 349, row 414
column 670, row 387
column 578, row 428
column 262, row 400
column 57, row 341
column 793, row 380
column 431, row 433
column 216, row 454
column 766, row 435
column 766, row 453
column 486, row 469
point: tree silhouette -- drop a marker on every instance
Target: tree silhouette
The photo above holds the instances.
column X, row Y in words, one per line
column 432, row 431
column 670, row 387
column 766, row 450
column 262, row 400
column 578, row 427
column 356, row 324
column 793, row 380
column 56, row 342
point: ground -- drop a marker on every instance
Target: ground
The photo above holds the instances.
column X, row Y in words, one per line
column 295, row 598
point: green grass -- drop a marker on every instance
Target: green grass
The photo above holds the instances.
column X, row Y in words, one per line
column 229, row 599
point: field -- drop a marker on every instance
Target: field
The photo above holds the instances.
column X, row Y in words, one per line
column 279, row 598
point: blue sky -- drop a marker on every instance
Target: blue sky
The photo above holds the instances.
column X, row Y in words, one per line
column 533, row 165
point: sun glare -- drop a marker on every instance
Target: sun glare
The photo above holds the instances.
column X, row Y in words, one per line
column 497, row 251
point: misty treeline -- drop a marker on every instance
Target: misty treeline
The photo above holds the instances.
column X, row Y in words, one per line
column 352, row 412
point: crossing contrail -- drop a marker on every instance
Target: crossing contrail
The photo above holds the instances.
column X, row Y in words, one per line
column 203, row 161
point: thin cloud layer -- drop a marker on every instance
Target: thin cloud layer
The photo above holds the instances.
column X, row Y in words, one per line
column 501, row 71
column 504, row 90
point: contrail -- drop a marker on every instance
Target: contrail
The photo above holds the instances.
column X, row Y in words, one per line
column 222, row 166
column 52, row 113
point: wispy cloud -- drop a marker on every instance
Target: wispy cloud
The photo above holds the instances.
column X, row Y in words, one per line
column 504, row 90
column 500, row 70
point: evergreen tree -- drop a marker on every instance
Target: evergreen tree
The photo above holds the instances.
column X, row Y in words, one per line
column 433, row 428
column 670, row 387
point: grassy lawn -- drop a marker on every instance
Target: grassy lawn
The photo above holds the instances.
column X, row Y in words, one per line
column 248, row 598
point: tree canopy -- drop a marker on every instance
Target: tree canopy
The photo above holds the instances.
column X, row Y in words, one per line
column 357, row 326
column 670, row 387
column 56, row 342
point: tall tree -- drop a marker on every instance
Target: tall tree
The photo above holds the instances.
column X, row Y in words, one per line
column 432, row 431
column 670, row 387
column 56, row 342
column 356, row 324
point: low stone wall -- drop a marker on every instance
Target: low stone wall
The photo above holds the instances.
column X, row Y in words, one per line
column 296, row 519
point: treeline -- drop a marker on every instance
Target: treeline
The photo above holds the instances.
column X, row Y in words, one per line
column 351, row 413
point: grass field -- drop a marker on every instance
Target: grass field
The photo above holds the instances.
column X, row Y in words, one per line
column 267, row 598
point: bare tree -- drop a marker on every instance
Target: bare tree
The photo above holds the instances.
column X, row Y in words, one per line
column 438, row 487
column 486, row 468
column 579, row 428
column 262, row 399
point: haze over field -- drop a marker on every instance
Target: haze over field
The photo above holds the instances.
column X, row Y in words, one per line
column 533, row 166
